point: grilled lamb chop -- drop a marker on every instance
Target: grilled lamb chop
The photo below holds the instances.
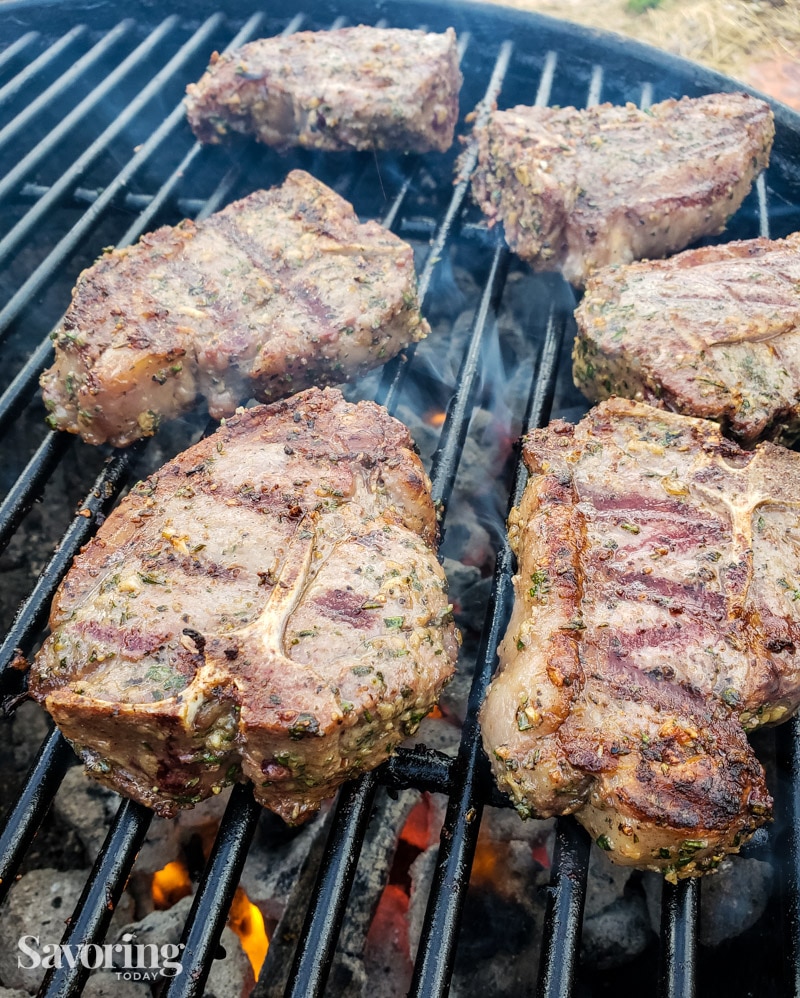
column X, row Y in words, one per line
column 267, row 606
column 576, row 190
column 352, row 88
column 712, row 332
column 656, row 621
column 279, row 291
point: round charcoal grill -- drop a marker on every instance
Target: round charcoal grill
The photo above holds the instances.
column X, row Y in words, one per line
column 94, row 150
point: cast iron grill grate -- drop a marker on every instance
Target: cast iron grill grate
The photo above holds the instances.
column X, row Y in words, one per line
column 93, row 146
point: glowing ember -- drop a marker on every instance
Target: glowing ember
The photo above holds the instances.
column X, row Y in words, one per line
column 247, row 922
column 170, row 884
column 435, row 418
column 418, row 830
column 489, row 857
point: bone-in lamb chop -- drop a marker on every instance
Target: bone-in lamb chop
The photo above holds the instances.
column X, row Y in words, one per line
column 267, row 606
column 350, row 88
column 277, row 292
column 577, row 190
column 656, row 620
column 712, row 332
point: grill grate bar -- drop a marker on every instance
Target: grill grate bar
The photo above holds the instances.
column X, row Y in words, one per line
column 95, row 908
column 76, row 70
column 444, row 465
column 566, row 895
column 788, row 816
column 680, row 911
column 38, row 791
column 45, row 148
column 206, row 920
column 30, row 484
column 763, row 212
column 395, row 373
column 561, row 935
column 320, row 932
column 24, row 383
column 421, row 768
column 595, row 86
column 131, row 202
column 36, row 65
column 16, row 47
column 546, row 79
column 439, row 937
column 33, row 612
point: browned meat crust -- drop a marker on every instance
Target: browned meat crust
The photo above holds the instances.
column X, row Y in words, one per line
column 712, row 332
column 352, row 88
column 576, row 190
column 266, row 606
column 656, row 620
column 279, row 291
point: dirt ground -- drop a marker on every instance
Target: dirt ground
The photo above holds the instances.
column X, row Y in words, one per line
column 755, row 41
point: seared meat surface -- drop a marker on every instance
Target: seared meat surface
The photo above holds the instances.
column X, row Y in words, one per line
column 279, row 291
column 268, row 605
column 712, row 332
column 577, row 190
column 351, row 88
column 656, row 620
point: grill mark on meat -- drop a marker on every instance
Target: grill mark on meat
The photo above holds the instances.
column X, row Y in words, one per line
column 646, row 507
column 298, row 293
column 132, row 643
column 687, row 597
column 346, row 606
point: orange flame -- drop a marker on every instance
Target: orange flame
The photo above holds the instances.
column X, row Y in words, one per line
column 170, row 884
column 247, row 922
column 436, row 418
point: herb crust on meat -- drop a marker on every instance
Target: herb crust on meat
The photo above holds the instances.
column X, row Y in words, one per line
column 277, row 292
column 656, row 620
column 267, row 606
column 582, row 189
column 712, row 332
column 350, row 88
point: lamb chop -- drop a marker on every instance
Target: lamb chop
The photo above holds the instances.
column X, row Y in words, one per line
column 712, row 332
column 351, row 88
column 656, row 620
column 576, row 190
column 266, row 606
column 279, row 291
